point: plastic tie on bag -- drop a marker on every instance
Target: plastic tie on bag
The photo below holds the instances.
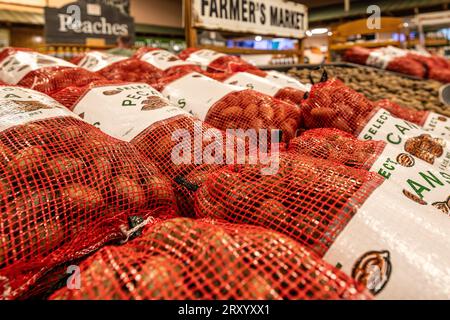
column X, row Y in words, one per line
column 136, row 225
column 324, row 77
column 188, row 185
column 5, row 288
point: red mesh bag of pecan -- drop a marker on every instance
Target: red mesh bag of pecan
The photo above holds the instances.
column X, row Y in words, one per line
column 308, row 199
column 41, row 72
column 227, row 106
column 132, row 70
column 167, row 62
column 213, row 61
column 186, row 162
column 337, row 146
column 185, row 259
column 411, row 115
column 358, row 55
column 66, row 188
column 439, row 74
column 406, row 64
column 345, row 215
column 332, row 104
column 437, row 68
column 264, row 85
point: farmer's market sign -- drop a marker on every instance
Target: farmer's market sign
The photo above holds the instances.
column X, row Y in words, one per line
column 269, row 17
column 82, row 21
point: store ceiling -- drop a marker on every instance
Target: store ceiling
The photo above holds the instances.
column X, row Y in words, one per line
column 333, row 10
column 319, row 3
column 23, row 17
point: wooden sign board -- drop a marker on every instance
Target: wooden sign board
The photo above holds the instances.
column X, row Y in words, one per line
column 78, row 21
column 263, row 17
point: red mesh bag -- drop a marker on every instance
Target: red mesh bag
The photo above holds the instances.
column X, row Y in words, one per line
column 119, row 68
column 231, row 107
column 415, row 116
column 185, row 259
column 442, row 75
column 131, row 70
column 441, row 62
column 291, row 95
column 319, row 211
column 158, row 121
column 41, row 72
column 408, row 66
column 76, row 60
column 334, row 105
column 96, row 60
column 358, row 55
column 156, row 142
column 337, row 146
column 390, row 58
column 437, row 68
column 343, row 214
column 264, row 85
column 69, row 96
column 165, row 61
column 409, row 172
column 65, row 189
column 213, row 61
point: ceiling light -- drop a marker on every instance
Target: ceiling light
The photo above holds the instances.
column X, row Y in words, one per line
column 319, row 30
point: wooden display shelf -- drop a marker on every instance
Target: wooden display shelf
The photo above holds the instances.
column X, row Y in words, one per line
column 285, row 68
column 366, row 44
column 71, row 45
column 338, row 41
column 248, row 51
column 430, row 42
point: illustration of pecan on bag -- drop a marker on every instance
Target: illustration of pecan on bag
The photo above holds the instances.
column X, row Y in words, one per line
column 414, row 197
column 373, row 269
column 444, row 206
column 152, row 103
column 405, row 160
column 425, row 147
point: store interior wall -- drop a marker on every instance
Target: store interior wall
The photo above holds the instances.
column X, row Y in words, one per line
column 157, row 12
column 152, row 12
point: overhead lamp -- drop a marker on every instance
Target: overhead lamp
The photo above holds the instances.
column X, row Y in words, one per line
column 319, row 30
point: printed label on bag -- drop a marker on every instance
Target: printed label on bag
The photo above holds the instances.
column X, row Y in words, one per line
column 124, row 111
column 197, row 93
column 398, row 249
column 380, row 58
column 251, row 81
column 409, row 138
column 438, row 125
column 20, row 106
column 204, row 57
column 16, row 66
column 163, row 59
column 95, row 61
column 415, row 180
column 284, row 81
